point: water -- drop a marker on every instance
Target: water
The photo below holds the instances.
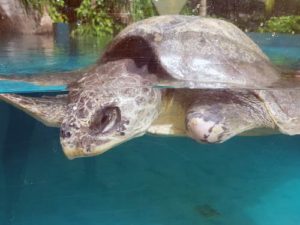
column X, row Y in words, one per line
column 282, row 49
column 32, row 54
column 149, row 180
column 35, row 55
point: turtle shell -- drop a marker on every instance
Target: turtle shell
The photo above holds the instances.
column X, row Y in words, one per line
column 194, row 52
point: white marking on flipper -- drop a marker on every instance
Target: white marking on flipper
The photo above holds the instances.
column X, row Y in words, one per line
column 205, row 131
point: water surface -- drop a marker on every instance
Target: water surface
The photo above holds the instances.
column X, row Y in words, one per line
column 35, row 55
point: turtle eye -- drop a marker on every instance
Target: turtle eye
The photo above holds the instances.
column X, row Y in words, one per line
column 105, row 120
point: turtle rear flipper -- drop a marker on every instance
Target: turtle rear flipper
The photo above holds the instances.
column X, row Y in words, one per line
column 284, row 107
column 48, row 110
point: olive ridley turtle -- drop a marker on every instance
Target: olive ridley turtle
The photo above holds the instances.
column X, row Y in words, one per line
column 167, row 75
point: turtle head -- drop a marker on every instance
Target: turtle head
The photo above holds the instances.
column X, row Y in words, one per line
column 103, row 113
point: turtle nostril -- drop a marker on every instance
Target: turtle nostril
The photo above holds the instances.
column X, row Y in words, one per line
column 64, row 133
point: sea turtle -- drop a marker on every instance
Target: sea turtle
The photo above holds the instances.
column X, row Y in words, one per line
column 167, row 75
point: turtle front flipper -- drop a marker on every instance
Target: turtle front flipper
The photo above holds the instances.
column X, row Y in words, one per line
column 48, row 110
column 216, row 116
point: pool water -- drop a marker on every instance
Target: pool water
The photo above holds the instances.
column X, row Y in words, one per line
column 146, row 181
column 34, row 54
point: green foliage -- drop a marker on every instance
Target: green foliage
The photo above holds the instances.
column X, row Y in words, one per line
column 283, row 24
column 53, row 10
column 141, row 9
column 93, row 19
column 188, row 10
column 52, row 6
column 35, row 4
column 106, row 17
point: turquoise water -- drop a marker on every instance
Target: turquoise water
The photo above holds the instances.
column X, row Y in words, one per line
column 27, row 55
column 34, row 55
column 282, row 49
column 149, row 180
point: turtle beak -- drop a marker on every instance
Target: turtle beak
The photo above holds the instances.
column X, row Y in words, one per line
column 73, row 152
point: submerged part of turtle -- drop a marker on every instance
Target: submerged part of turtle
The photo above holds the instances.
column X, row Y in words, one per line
column 115, row 101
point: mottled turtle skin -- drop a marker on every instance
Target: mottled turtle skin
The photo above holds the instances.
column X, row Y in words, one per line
column 219, row 86
column 109, row 106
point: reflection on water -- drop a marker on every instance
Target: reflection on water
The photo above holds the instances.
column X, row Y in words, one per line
column 36, row 54
column 46, row 54
column 33, row 54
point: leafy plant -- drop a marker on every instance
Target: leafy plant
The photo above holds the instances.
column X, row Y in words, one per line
column 93, row 19
column 283, row 24
column 107, row 17
column 52, row 6
column 188, row 10
column 35, row 4
column 141, row 9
